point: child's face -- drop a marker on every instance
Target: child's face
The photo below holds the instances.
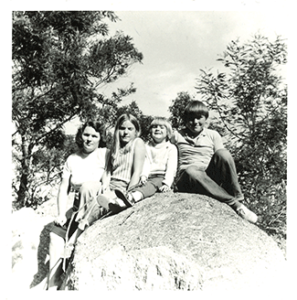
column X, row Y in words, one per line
column 91, row 139
column 196, row 123
column 159, row 133
column 127, row 132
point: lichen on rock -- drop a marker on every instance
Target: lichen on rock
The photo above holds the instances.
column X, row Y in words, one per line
column 175, row 242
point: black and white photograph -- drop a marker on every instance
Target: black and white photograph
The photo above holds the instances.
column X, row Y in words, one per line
column 149, row 148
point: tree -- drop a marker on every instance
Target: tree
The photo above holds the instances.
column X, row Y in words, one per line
column 177, row 109
column 251, row 101
column 60, row 61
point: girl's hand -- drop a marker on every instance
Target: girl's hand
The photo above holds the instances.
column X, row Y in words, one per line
column 143, row 180
column 60, row 220
column 164, row 188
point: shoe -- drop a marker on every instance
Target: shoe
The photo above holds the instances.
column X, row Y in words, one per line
column 115, row 208
column 83, row 224
column 123, row 197
column 247, row 214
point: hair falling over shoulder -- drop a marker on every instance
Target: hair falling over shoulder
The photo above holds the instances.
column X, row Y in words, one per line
column 116, row 144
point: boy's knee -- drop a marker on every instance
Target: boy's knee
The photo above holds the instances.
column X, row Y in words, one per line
column 194, row 172
column 223, row 154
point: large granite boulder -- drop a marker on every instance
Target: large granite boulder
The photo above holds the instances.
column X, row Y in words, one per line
column 176, row 242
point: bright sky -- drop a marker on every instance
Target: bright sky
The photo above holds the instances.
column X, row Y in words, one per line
column 177, row 44
column 177, row 39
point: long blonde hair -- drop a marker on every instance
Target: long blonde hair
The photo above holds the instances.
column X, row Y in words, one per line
column 116, row 144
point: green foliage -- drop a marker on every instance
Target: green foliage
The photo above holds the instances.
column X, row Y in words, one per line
column 177, row 109
column 60, row 61
column 250, row 99
column 111, row 114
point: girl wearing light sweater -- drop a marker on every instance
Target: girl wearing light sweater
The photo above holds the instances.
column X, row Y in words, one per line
column 160, row 164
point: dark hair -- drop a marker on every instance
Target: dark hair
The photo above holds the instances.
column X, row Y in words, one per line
column 196, row 108
column 98, row 128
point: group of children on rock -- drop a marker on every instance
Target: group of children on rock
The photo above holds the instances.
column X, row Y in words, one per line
column 131, row 170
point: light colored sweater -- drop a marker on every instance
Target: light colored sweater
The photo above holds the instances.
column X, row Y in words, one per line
column 161, row 159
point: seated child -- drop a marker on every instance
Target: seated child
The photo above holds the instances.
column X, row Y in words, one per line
column 160, row 164
column 204, row 165
column 82, row 173
column 124, row 164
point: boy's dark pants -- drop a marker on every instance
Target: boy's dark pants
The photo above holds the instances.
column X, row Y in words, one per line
column 219, row 180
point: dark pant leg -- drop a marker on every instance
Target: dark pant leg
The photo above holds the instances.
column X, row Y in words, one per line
column 222, row 170
column 185, row 183
column 193, row 180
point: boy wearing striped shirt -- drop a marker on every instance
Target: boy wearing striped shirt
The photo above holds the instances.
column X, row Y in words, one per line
column 205, row 166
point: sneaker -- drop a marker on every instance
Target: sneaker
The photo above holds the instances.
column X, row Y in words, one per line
column 246, row 214
column 123, row 197
column 120, row 203
column 109, row 204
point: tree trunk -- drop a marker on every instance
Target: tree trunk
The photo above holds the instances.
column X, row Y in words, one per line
column 23, row 192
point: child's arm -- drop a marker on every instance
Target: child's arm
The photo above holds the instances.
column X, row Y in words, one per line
column 105, row 181
column 171, row 169
column 62, row 201
column 145, row 171
column 138, row 161
column 146, row 166
column 63, row 192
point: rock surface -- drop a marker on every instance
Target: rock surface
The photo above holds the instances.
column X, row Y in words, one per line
column 176, row 242
column 30, row 243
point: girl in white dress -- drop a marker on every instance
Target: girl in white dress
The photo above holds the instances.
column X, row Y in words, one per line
column 82, row 173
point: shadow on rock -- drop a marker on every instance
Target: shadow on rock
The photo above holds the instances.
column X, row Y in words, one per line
column 43, row 255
